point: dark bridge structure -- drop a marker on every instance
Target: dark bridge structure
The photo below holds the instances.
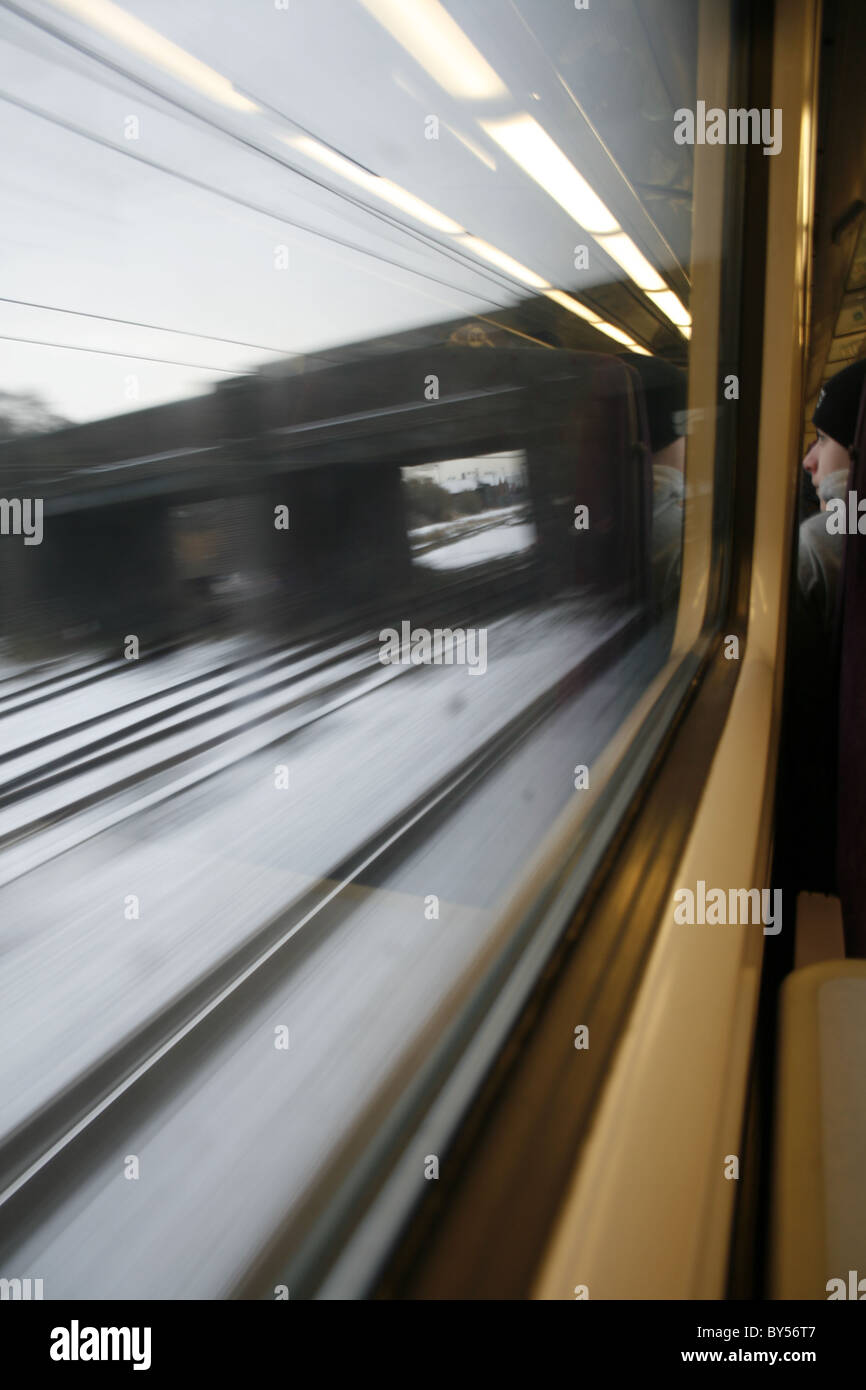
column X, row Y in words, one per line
column 327, row 444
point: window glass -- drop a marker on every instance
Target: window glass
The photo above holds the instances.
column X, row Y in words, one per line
column 348, row 470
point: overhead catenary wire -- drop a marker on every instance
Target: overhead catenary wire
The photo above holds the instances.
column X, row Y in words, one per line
column 247, row 203
column 80, row 131
column 499, row 279
column 153, row 327
column 132, row 356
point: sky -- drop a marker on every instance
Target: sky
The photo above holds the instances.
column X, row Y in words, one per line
column 174, row 208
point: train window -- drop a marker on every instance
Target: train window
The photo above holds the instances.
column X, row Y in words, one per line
column 324, row 323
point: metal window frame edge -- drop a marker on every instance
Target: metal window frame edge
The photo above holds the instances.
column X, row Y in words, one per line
column 678, row 1093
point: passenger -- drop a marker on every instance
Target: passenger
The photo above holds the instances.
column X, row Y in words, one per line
column 807, row 787
column 664, row 392
column 828, row 463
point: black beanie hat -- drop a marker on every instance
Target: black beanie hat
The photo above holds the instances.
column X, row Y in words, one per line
column 664, row 390
column 839, row 403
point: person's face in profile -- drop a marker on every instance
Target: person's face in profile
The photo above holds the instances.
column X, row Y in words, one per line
column 824, row 457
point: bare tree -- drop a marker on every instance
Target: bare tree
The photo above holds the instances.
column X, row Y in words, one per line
column 25, row 412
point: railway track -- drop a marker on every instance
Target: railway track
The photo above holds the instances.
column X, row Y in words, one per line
column 56, row 1146
column 31, row 693
column 198, row 726
column 27, row 693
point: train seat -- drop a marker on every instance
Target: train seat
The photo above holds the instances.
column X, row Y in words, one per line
column 818, row 1224
column 819, row 932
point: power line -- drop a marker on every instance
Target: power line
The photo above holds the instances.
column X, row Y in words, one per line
column 161, row 328
column 91, row 54
column 452, row 253
column 259, row 208
column 133, row 356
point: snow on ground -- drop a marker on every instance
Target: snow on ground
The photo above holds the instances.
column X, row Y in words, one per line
column 211, row 866
column 230, row 1151
column 492, row 543
column 260, row 684
column 494, row 514
column 130, row 681
column 16, row 672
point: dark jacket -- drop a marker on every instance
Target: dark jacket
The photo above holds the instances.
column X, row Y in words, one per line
column 808, row 788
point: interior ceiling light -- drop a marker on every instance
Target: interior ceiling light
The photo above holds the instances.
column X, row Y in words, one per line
column 392, row 193
column 540, row 157
column 574, row 306
column 382, row 188
column 616, row 333
column 622, row 249
column 530, row 146
column 427, row 31
column 115, row 23
column 506, row 263
column 671, row 307
column 436, row 41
